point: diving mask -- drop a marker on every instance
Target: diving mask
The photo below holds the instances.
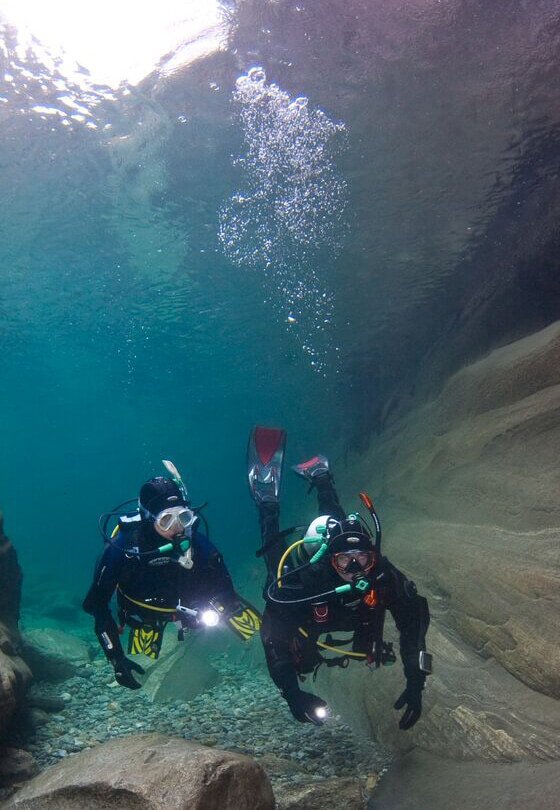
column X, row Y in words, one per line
column 176, row 518
column 353, row 561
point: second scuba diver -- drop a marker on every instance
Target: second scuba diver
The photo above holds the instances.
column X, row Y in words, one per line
column 333, row 579
column 163, row 569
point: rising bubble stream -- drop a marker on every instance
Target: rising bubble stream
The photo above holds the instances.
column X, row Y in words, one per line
column 289, row 219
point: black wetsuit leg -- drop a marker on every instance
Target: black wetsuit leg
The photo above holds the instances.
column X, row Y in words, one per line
column 269, row 521
column 327, row 497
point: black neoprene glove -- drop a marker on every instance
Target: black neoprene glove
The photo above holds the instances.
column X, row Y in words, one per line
column 412, row 699
column 303, row 706
column 123, row 672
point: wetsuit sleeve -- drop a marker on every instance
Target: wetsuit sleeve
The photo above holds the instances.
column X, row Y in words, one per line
column 213, row 578
column 412, row 617
column 98, row 598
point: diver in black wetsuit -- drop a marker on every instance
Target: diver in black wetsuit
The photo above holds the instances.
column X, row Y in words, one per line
column 163, row 569
column 334, row 579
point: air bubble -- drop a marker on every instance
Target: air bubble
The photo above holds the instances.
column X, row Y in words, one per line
column 257, row 75
column 289, row 218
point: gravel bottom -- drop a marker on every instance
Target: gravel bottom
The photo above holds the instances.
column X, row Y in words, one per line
column 242, row 713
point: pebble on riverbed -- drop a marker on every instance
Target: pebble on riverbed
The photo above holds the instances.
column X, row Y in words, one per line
column 243, row 713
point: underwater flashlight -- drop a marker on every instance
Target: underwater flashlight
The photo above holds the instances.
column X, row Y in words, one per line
column 209, row 617
column 321, row 713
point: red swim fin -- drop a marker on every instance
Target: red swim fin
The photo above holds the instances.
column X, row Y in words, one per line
column 318, row 465
column 265, row 457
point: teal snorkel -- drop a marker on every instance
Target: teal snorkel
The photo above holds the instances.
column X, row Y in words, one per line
column 176, row 476
column 183, row 545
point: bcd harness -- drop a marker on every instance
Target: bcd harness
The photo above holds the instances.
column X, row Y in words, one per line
column 380, row 654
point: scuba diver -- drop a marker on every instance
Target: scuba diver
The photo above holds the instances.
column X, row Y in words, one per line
column 333, row 579
column 163, row 569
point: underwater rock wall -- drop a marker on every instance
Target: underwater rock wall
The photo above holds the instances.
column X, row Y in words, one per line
column 467, row 486
column 14, row 672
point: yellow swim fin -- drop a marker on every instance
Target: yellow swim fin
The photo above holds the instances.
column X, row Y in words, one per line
column 145, row 640
column 241, row 617
column 246, row 622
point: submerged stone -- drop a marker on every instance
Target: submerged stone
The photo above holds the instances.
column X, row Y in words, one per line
column 329, row 794
column 54, row 655
column 148, row 772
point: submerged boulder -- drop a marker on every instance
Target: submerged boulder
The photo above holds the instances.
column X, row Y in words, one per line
column 148, row 772
column 181, row 673
column 10, row 581
column 329, row 794
column 16, row 767
column 14, row 678
column 14, row 673
column 54, row 655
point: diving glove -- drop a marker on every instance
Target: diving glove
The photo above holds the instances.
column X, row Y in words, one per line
column 304, row 706
column 123, row 672
column 412, row 699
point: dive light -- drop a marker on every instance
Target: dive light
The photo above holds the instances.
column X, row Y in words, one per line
column 209, row 616
column 321, row 713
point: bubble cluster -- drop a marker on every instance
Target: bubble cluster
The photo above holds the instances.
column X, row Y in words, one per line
column 289, row 219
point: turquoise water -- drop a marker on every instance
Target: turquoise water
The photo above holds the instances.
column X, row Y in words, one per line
column 295, row 213
column 276, row 233
column 129, row 337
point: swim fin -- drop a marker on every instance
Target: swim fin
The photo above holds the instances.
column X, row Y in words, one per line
column 240, row 616
column 318, row 465
column 146, row 639
column 265, row 456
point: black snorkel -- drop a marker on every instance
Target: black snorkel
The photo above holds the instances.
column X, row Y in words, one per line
column 368, row 503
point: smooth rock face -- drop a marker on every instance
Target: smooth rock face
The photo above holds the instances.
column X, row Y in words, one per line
column 181, row 672
column 148, row 772
column 420, row 781
column 329, row 794
column 470, row 509
column 54, row 655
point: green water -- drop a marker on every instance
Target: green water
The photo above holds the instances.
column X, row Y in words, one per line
column 145, row 312
column 129, row 337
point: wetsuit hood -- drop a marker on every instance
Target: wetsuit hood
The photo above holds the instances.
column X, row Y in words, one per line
column 158, row 494
column 350, row 534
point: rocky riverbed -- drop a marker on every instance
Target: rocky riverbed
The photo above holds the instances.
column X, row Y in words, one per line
column 242, row 713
